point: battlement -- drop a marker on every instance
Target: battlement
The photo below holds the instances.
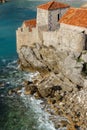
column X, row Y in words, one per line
column 55, row 27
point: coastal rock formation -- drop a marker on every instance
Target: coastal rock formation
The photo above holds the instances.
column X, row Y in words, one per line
column 48, row 59
column 2, row 1
column 62, row 79
column 57, row 48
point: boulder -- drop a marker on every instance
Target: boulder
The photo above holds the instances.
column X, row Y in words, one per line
column 62, row 80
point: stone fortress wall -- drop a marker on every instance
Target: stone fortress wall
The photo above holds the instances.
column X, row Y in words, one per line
column 50, row 33
column 27, row 38
column 64, row 38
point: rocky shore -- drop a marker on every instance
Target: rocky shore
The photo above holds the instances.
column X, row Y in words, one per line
column 2, row 1
column 62, row 83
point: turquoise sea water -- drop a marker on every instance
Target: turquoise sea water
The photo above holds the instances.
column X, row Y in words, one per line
column 12, row 14
column 17, row 113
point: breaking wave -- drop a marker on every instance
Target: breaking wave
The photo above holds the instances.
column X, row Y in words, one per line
column 33, row 116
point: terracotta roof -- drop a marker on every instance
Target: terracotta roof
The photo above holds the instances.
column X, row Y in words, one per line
column 75, row 16
column 52, row 5
column 30, row 23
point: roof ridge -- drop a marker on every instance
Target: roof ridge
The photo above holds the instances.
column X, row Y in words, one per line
column 77, row 8
column 51, row 4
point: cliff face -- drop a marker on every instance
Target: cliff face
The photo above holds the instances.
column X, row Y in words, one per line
column 63, row 78
column 48, row 59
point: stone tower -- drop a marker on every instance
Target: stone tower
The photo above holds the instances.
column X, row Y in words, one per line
column 49, row 14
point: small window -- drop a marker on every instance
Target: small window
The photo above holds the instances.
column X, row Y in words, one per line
column 58, row 17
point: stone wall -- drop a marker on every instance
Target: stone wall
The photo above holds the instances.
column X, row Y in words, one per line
column 48, row 20
column 42, row 17
column 79, row 30
column 65, row 40
column 74, row 28
column 53, row 18
column 63, row 11
column 24, row 37
column 50, row 38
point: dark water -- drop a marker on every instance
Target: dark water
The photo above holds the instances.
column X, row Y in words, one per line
column 17, row 113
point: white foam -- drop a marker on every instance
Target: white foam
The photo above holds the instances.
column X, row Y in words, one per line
column 42, row 117
column 12, row 65
column 29, row 76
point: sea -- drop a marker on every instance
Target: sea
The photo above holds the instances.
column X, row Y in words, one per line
column 19, row 112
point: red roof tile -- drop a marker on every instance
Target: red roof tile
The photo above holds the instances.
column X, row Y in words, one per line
column 75, row 16
column 52, row 5
column 30, row 23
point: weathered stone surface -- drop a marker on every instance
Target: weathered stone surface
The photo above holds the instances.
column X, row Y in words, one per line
column 62, row 81
column 84, row 56
column 48, row 59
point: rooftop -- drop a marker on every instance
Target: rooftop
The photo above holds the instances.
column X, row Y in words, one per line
column 76, row 17
column 30, row 23
column 53, row 5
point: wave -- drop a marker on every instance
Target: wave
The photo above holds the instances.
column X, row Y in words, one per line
column 42, row 117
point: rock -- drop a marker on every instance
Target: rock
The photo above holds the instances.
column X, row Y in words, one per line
column 84, row 56
column 2, row 84
column 27, row 92
column 37, row 95
column 62, row 80
column 10, row 92
column 27, row 82
column 50, row 60
column 31, row 88
column 2, row 1
column 48, row 85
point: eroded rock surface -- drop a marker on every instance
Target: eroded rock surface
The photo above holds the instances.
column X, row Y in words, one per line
column 62, row 81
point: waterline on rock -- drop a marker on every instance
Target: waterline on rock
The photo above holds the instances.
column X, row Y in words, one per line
column 26, row 109
column 41, row 116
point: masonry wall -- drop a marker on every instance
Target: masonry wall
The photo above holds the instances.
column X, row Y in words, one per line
column 74, row 28
column 48, row 19
column 64, row 40
column 80, row 30
column 42, row 18
column 53, row 18
column 63, row 11
column 24, row 37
